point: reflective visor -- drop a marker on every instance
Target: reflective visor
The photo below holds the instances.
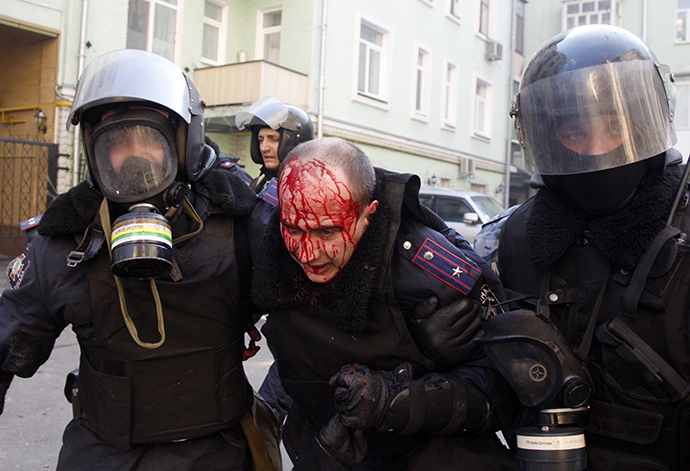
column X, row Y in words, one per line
column 133, row 161
column 595, row 118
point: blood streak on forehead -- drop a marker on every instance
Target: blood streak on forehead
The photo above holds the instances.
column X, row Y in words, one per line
column 310, row 187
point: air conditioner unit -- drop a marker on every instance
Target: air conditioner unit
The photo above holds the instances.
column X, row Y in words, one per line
column 494, row 51
column 466, row 167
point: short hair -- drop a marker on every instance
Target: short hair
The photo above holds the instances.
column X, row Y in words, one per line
column 339, row 153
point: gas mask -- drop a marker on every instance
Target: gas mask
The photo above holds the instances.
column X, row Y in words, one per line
column 549, row 380
column 134, row 162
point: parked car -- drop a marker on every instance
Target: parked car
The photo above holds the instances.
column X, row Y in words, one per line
column 463, row 210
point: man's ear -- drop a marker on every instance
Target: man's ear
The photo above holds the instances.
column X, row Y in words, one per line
column 370, row 210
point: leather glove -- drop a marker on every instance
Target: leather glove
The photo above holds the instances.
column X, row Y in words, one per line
column 344, row 445
column 446, row 335
column 362, row 396
column 5, row 380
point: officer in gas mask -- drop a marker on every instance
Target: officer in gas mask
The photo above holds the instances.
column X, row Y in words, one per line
column 276, row 128
column 600, row 256
column 147, row 260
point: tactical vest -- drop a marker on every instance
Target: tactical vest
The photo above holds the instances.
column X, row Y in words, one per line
column 192, row 385
column 639, row 358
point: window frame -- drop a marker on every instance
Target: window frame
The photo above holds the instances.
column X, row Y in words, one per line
column 486, row 106
column 262, row 32
column 382, row 98
column 454, row 10
column 566, row 15
column 421, row 93
column 222, row 27
column 449, row 107
column 484, row 14
column 686, row 11
column 151, row 22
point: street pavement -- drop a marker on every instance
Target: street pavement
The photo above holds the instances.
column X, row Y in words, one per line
column 36, row 411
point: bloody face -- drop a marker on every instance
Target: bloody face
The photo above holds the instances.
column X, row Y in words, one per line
column 320, row 222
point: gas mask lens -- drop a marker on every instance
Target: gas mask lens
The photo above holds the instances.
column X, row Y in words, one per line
column 133, row 161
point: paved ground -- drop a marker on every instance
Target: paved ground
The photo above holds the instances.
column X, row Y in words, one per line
column 36, row 410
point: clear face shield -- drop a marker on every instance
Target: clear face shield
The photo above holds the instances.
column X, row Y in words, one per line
column 268, row 111
column 595, row 118
column 133, row 155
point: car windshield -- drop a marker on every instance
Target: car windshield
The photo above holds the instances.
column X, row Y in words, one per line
column 488, row 205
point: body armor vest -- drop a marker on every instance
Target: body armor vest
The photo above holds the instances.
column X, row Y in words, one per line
column 639, row 360
column 192, row 385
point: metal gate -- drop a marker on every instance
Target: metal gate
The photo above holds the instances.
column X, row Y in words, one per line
column 28, row 175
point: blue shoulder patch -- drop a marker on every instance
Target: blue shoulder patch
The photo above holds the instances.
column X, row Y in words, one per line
column 29, row 223
column 15, row 271
column 270, row 193
column 453, row 270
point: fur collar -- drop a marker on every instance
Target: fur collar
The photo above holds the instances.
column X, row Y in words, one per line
column 73, row 211
column 552, row 225
column 280, row 283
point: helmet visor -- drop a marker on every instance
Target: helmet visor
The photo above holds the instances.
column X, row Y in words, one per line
column 595, row 118
column 133, row 162
column 268, row 111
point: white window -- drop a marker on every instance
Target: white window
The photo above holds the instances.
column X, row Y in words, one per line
column 484, row 12
column 482, row 108
column 215, row 30
column 683, row 21
column 454, row 9
column 682, row 113
column 373, row 61
column 268, row 40
column 422, row 82
column 152, row 26
column 588, row 12
column 450, row 94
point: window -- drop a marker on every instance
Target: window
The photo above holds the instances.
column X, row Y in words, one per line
column 482, row 108
column 520, row 27
column 683, row 21
column 450, row 98
column 215, row 27
column 422, row 82
column 587, row 12
column 682, row 113
column 454, row 9
column 268, row 43
column 151, row 26
column 373, row 61
column 484, row 17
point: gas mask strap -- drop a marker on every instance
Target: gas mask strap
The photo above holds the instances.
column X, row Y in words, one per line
column 193, row 214
column 105, row 220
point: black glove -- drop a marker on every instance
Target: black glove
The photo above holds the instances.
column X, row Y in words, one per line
column 362, row 396
column 446, row 335
column 345, row 445
column 5, row 380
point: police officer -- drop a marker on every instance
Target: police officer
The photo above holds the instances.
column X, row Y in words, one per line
column 348, row 257
column 146, row 261
column 602, row 245
column 276, row 128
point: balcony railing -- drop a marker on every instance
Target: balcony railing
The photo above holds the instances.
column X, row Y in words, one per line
column 246, row 82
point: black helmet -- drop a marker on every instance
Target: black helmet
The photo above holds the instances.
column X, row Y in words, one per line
column 135, row 95
column 291, row 121
column 587, row 84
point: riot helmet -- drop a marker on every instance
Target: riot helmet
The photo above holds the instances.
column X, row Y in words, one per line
column 592, row 82
column 292, row 122
column 593, row 104
column 141, row 125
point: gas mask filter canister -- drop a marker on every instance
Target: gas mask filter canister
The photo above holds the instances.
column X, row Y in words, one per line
column 141, row 243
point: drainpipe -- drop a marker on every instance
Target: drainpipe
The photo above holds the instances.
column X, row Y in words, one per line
column 80, row 68
column 509, row 145
column 644, row 20
column 322, row 66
